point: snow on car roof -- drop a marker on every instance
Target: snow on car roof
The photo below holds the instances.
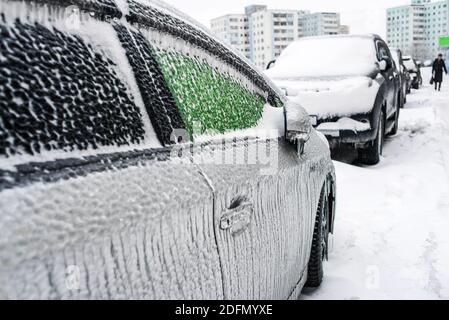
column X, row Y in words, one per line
column 361, row 35
column 327, row 56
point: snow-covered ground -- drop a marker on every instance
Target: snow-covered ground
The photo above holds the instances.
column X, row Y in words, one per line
column 392, row 228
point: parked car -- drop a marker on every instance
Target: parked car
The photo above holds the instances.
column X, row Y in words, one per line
column 428, row 63
column 140, row 158
column 414, row 70
column 404, row 76
column 351, row 95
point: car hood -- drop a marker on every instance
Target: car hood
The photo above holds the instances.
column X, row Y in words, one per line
column 330, row 97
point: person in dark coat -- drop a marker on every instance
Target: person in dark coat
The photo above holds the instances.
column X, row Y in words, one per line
column 438, row 67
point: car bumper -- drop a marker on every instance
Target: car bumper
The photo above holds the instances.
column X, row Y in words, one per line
column 347, row 131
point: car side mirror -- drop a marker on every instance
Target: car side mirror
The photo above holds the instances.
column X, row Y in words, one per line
column 271, row 64
column 298, row 127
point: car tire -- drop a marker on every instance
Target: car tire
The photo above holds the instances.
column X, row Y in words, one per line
column 371, row 155
column 320, row 242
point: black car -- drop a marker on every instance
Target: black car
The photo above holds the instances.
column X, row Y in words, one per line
column 414, row 70
column 404, row 76
column 353, row 97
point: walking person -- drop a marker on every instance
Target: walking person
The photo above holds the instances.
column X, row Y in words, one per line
column 437, row 70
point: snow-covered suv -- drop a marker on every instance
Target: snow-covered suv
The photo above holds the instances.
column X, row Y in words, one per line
column 349, row 86
column 141, row 158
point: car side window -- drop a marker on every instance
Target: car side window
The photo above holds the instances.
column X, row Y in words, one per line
column 215, row 91
column 61, row 90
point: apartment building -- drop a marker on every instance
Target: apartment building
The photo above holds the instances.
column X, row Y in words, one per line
column 344, row 29
column 320, row 23
column 234, row 29
column 417, row 28
column 261, row 34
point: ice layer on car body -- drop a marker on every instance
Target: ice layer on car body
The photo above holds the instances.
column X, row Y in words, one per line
column 114, row 227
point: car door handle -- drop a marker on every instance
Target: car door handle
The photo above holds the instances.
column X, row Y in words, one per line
column 237, row 219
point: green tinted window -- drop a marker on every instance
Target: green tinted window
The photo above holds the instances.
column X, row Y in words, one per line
column 209, row 101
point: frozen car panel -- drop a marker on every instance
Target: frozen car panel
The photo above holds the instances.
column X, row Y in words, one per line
column 77, row 224
column 118, row 234
column 267, row 256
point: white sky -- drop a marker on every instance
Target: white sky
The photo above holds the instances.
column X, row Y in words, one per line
column 364, row 16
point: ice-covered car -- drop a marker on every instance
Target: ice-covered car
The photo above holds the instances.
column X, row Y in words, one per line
column 414, row 70
column 349, row 86
column 140, row 158
column 404, row 76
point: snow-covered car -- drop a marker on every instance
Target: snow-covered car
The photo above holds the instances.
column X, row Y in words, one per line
column 414, row 70
column 404, row 76
column 349, row 86
column 428, row 63
column 141, row 158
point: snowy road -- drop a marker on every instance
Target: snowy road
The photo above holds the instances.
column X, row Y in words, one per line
column 392, row 228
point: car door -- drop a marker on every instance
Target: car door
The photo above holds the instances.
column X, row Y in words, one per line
column 265, row 195
column 391, row 78
column 94, row 205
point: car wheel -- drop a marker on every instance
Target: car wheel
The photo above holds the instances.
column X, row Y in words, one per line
column 371, row 155
column 320, row 242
